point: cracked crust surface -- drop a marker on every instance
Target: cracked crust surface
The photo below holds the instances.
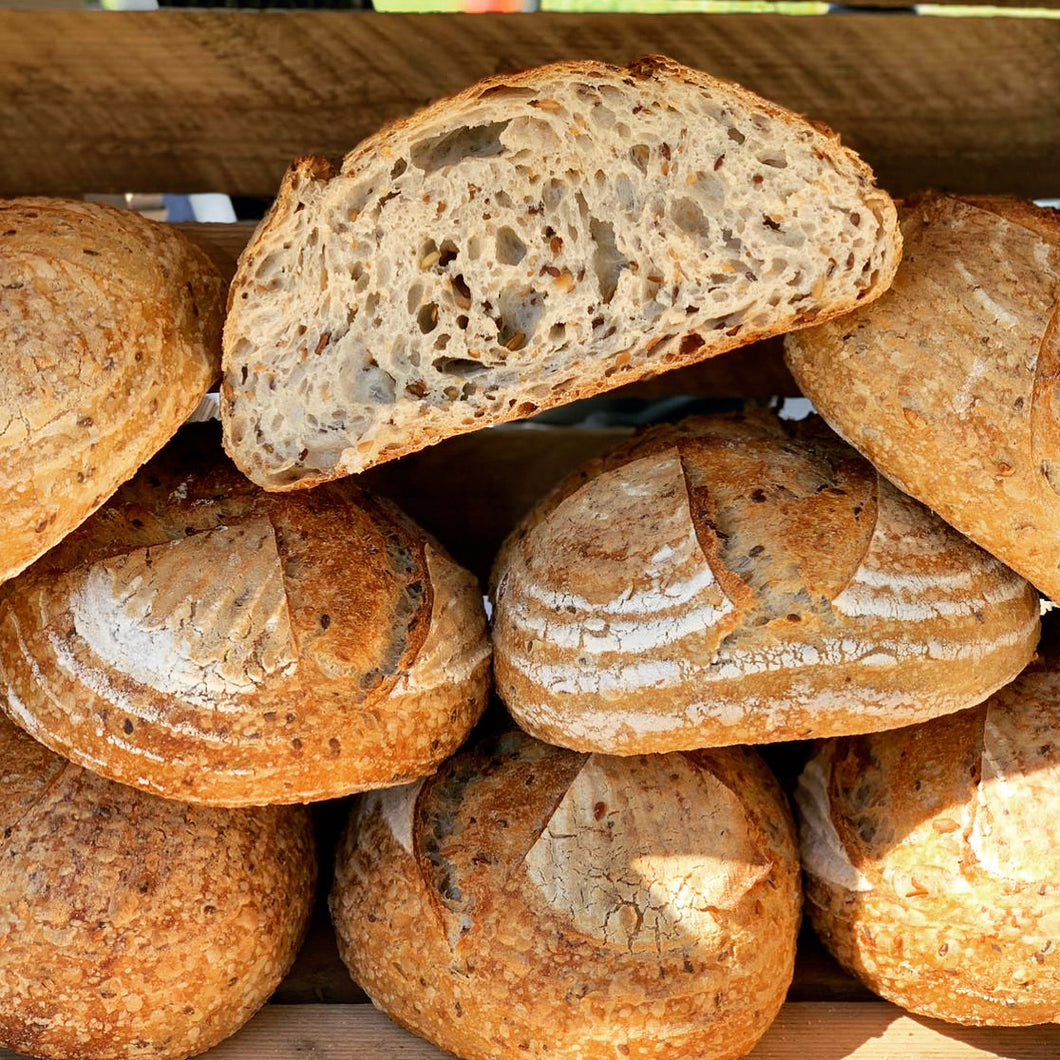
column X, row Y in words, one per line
column 954, row 908
column 741, row 579
column 133, row 926
column 950, row 384
column 531, row 901
column 203, row 640
column 537, row 238
column 110, row 326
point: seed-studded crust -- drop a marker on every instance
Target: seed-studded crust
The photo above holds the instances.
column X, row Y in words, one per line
column 933, row 872
column 949, row 384
column 530, row 901
column 206, row 641
column 110, row 326
column 744, row 580
column 455, row 270
column 134, row 926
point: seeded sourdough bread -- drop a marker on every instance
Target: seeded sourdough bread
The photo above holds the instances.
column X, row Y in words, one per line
column 531, row 902
column 743, row 579
column 537, row 238
column 949, row 385
column 932, row 856
column 133, row 926
column 203, row 640
column 110, row 332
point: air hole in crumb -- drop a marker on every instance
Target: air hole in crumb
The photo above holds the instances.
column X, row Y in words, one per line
column 398, row 168
column 462, row 322
column 687, row 215
column 510, row 248
column 459, row 366
column 608, row 263
column 461, row 292
column 640, row 153
column 736, row 136
column 557, row 333
column 447, row 252
column 478, row 141
column 427, row 318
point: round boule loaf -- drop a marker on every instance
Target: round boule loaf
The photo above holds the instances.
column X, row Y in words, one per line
column 743, row 579
column 529, row 901
column 133, row 926
column 949, row 383
column 110, row 327
column 932, row 856
column 206, row 641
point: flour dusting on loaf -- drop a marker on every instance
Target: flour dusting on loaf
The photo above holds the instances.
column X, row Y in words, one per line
column 739, row 579
column 931, row 858
column 207, row 641
column 643, row 906
column 948, row 382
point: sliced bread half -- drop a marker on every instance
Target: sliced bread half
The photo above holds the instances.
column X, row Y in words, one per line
column 535, row 239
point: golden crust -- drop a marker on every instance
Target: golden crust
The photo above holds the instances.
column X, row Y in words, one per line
column 744, row 580
column 947, row 825
column 203, row 640
column 645, row 907
column 111, row 327
column 948, row 383
column 134, row 926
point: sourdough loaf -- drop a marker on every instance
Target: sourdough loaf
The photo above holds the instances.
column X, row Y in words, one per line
column 532, row 902
column 742, row 579
column 110, row 327
column 133, row 926
column 203, row 640
column 537, row 238
column 949, row 385
column 932, row 856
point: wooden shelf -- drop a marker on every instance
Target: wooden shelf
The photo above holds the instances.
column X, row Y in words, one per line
column 184, row 101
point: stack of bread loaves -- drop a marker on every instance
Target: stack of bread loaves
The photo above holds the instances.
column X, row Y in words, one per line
column 207, row 644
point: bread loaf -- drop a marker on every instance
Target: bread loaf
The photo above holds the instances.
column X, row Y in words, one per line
column 949, row 384
column 933, row 858
column 531, row 902
column 110, row 329
column 203, row 640
column 743, row 579
column 133, row 926
column 537, row 238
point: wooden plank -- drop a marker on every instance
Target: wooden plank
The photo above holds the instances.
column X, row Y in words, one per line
column 869, row 1031
column 222, row 101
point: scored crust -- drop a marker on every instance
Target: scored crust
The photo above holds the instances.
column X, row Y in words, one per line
column 949, row 902
column 645, row 906
column 949, row 384
column 741, row 579
column 454, row 271
column 206, row 641
column 134, row 926
column 111, row 328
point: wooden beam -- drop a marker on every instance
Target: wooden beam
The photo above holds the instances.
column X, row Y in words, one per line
column 223, row 101
column 871, row 1030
